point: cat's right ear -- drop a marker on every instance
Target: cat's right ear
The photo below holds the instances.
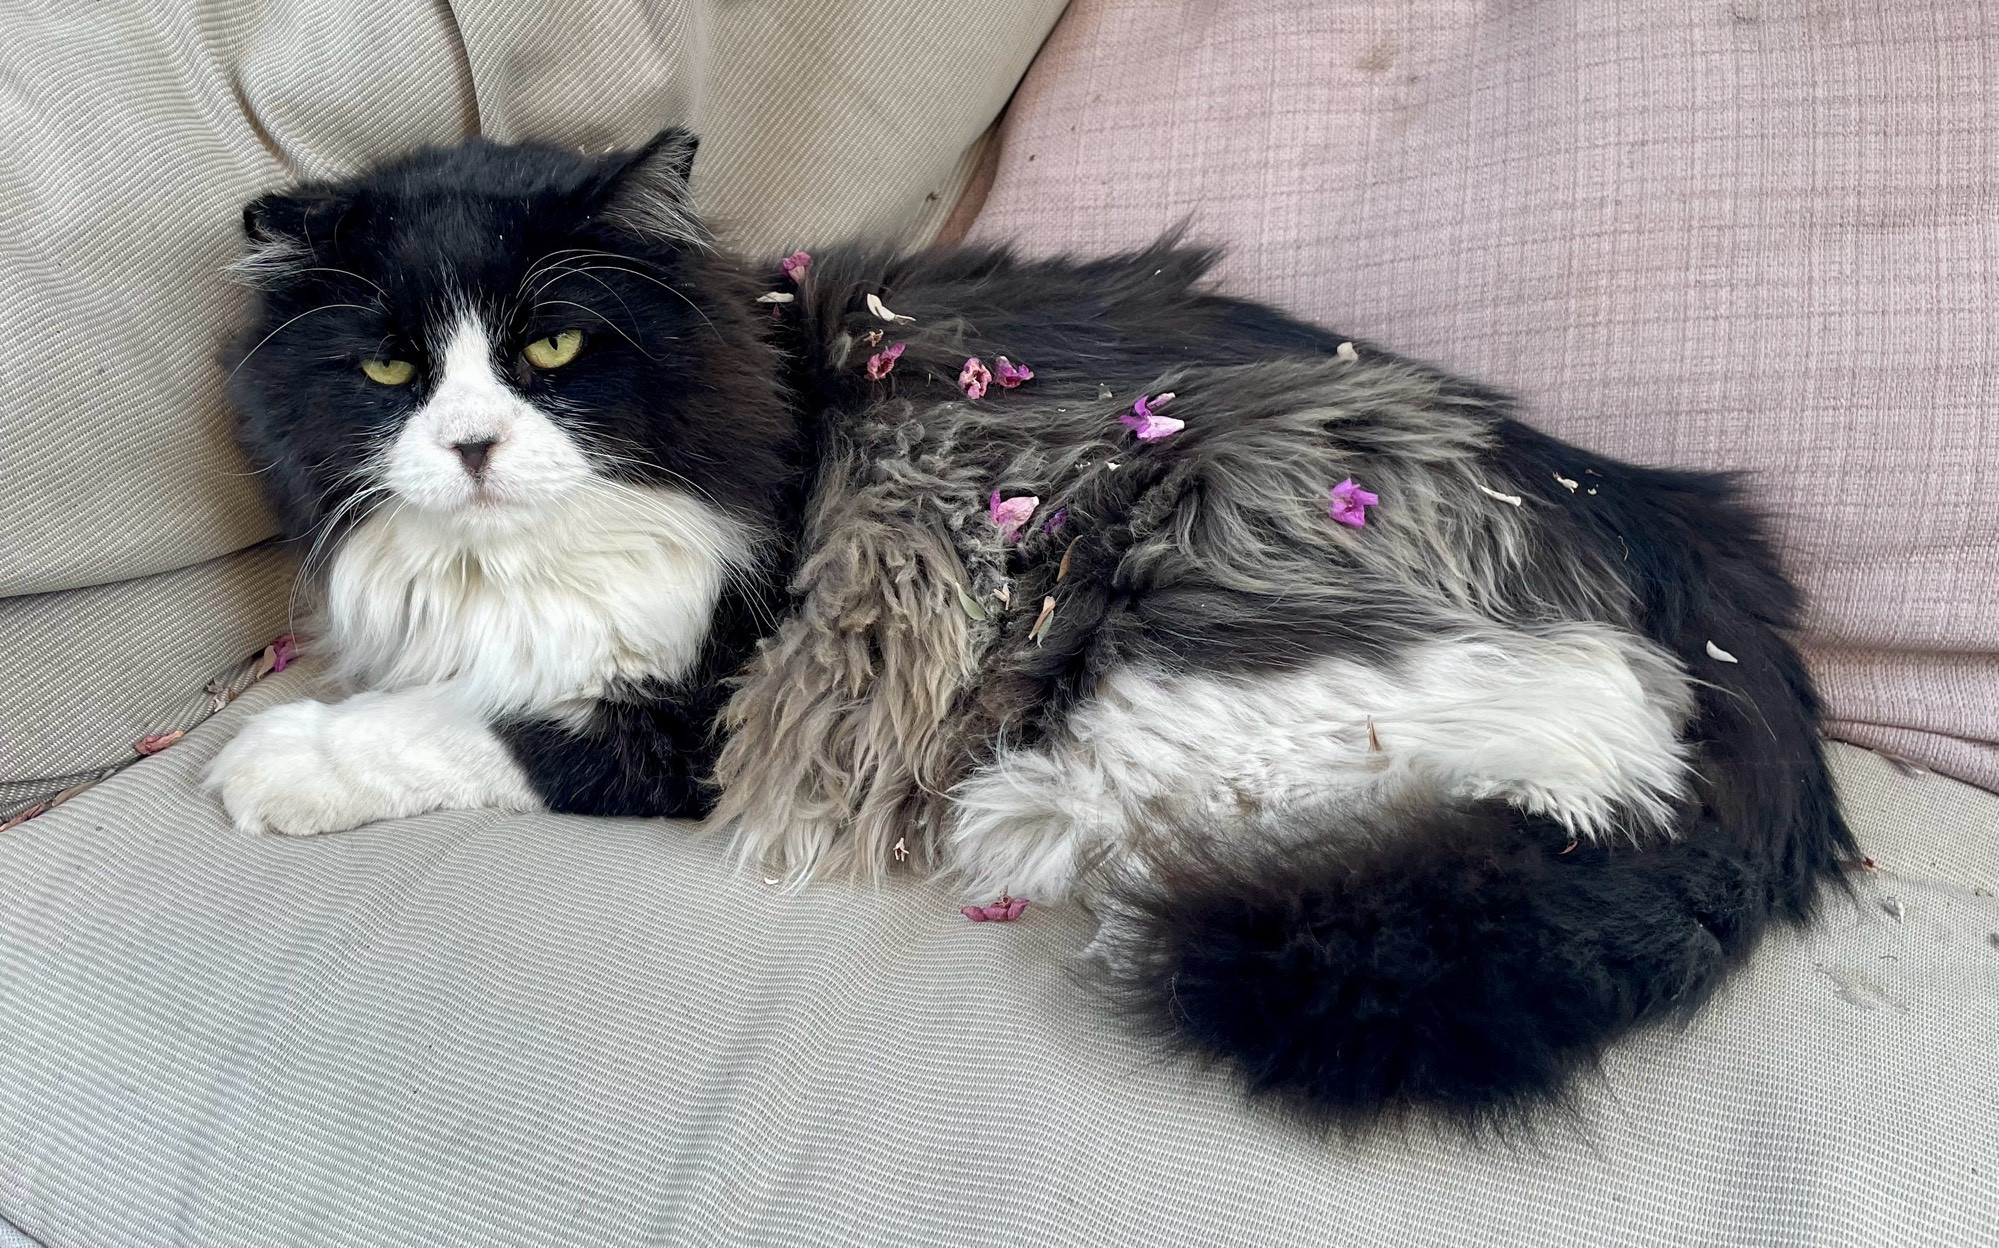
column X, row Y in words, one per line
column 277, row 226
column 646, row 191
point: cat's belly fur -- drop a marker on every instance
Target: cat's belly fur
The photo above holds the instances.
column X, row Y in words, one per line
column 1579, row 722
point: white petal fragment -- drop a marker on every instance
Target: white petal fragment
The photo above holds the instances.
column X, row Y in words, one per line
column 1345, row 351
column 776, row 296
column 1716, row 652
column 880, row 309
column 1568, row 483
column 1511, row 500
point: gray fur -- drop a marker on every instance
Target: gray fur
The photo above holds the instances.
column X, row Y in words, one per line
column 880, row 694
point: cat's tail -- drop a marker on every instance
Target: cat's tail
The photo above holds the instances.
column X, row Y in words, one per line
column 1471, row 957
column 1470, row 961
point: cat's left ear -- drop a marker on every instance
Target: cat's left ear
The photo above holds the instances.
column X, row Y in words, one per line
column 646, row 191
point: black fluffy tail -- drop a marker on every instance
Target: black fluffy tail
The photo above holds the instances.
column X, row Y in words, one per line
column 1472, row 958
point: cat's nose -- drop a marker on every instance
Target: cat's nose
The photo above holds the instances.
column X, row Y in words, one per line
column 475, row 453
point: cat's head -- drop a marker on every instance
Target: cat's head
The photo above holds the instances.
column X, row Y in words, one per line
column 475, row 334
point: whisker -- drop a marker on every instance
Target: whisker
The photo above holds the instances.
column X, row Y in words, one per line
column 324, row 307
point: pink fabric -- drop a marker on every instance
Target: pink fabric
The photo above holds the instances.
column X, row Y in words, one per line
column 1756, row 235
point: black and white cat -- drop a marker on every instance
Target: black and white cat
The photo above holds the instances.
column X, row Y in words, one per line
column 1407, row 755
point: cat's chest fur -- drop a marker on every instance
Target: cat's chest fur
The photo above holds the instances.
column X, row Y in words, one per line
column 613, row 584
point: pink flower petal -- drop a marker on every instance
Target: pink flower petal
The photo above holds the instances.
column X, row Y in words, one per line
column 882, row 362
column 1349, row 504
column 976, row 914
column 284, row 651
column 974, row 378
column 1011, row 515
column 153, row 743
column 1145, row 420
column 1015, row 908
column 795, row 264
column 1010, row 374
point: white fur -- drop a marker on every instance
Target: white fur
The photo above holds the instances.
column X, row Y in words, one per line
column 311, row 767
column 530, row 589
column 1573, row 722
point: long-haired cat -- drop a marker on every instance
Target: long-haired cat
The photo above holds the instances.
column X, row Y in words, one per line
column 1406, row 755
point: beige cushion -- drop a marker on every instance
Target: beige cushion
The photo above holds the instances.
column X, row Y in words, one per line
column 474, row 1028
column 1761, row 234
column 137, row 128
column 117, row 662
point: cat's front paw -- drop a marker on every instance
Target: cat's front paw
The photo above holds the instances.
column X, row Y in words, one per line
column 280, row 774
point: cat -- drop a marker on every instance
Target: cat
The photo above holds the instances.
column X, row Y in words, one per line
column 1406, row 756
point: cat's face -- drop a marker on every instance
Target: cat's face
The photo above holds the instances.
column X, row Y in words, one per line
column 478, row 333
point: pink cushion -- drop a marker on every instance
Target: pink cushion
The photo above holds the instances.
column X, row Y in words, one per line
column 1756, row 235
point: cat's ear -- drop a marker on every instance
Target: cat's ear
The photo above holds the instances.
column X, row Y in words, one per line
column 278, row 228
column 646, row 192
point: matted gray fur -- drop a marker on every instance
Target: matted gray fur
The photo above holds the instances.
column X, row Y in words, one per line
column 881, row 693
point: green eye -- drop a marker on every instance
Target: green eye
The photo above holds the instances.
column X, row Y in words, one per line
column 389, row 372
column 555, row 350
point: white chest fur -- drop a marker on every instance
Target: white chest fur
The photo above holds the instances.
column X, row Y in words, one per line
column 610, row 582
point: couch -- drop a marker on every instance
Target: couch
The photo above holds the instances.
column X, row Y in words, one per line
column 1758, row 235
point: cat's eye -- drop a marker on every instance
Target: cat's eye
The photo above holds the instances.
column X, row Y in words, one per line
column 555, row 350
column 389, row 372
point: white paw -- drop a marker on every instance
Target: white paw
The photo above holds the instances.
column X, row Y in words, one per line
column 280, row 775
column 311, row 767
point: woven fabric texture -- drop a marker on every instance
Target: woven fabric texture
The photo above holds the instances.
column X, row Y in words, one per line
column 471, row 1028
column 1758, row 235
column 117, row 662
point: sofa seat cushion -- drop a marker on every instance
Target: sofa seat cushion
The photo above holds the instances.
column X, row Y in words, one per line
column 476, row 1028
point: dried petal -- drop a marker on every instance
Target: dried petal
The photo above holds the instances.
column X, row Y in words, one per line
column 284, row 651
column 1042, row 621
column 873, row 337
column 880, row 309
column 976, row 914
column 1005, row 594
column 1373, row 736
column 1717, row 653
column 1512, row 500
column 1103, row 391
column 1349, row 504
column 1145, row 421
column 17, row 820
column 901, row 850
column 1009, row 374
column 795, row 265
column 1345, row 351
column 974, row 378
column 1063, row 570
column 1010, row 516
column 153, row 743
column 1056, row 521
column 882, row 362
column 777, row 296
column 970, row 605
column 1568, row 483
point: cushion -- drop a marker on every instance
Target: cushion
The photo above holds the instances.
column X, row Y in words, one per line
column 1760, row 235
column 477, row 1028
column 141, row 126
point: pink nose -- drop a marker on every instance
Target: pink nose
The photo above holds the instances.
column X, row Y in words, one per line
column 475, row 454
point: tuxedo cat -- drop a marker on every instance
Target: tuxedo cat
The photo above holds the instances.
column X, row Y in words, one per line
column 1406, row 755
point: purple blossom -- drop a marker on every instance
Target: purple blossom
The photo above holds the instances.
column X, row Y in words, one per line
column 1350, row 504
column 974, row 378
column 1010, row 374
column 882, row 362
column 1145, row 420
column 794, row 266
column 1056, row 521
column 1010, row 516
column 1005, row 910
column 283, row 651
